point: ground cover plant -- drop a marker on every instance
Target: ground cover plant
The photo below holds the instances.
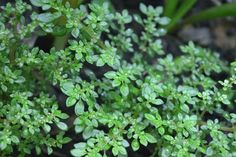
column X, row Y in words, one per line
column 127, row 94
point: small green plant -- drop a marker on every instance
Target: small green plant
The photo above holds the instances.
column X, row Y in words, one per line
column 126, row 92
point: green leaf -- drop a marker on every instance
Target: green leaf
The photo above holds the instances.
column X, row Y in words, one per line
column 161, row 130
column 125, row 143
column 79, row 129
column 31, row 130
column 168, row 137
column 116, row 83
column 38, row 150
column 143, row 140
column 164, row 21
column 4, row 88
column 170, row 7
column 150, row 117
column 70, row 101
column 15, row 139
column 233, row 64
column 46, row 7
column 78, row 152
column 223, row 10
column 122, row 150
column 20, row 79
column 135, row 145
column 79, row 108
column 138, row 19
column 75, row 32
column 50, row 150
column 3, row 145
column 48, row 17
column 146, row 91
column 79, row 55
column 143, row 8
column 100, row 62
column 67, row 85
column 63, row 115
column 81, row 145
column 46, row 128
column 209, row 151
column 115, row 150
column 150, row 138
column 124, row 89
column 88, row 131
column 185, row 6
column 110, row 74
column 184, row 108
column 157, row 102
column 37, row 3
column 66, row 140
column 62, row 126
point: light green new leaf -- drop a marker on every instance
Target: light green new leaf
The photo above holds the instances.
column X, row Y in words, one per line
column 124, row 89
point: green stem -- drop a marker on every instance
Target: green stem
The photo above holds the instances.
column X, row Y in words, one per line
column 12, row 54
column 61, row 41
column 14, row 44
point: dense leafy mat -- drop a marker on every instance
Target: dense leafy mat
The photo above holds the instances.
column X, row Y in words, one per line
column 125, row 90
